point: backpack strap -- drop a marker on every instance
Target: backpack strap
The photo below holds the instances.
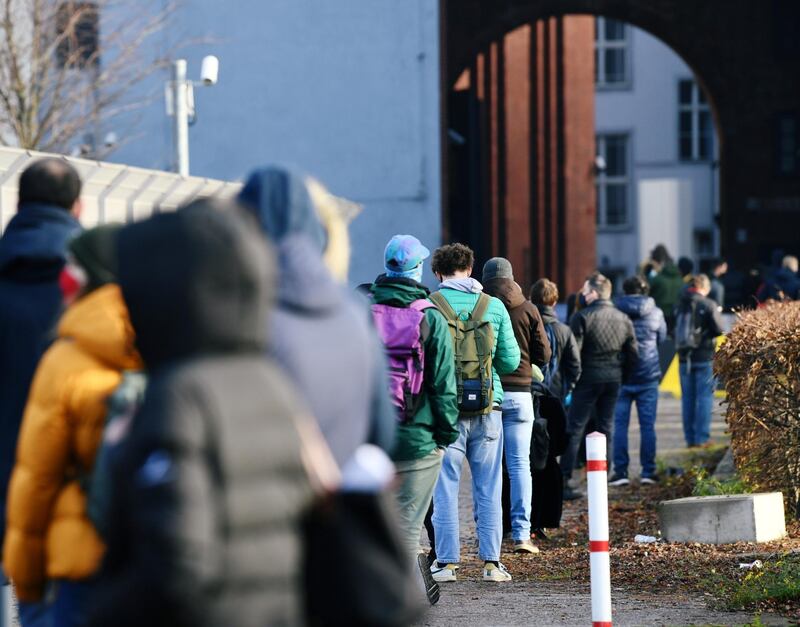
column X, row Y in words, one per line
column 442, row 305
column 421, row 305
column 479, row 311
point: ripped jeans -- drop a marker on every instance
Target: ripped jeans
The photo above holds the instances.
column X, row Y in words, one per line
column 480, row 440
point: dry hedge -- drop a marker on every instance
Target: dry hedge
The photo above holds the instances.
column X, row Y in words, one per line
column 760, row 366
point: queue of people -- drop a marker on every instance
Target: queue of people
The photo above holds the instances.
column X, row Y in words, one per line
column 212, row 389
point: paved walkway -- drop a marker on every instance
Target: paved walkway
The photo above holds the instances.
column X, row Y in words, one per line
column 469, row 602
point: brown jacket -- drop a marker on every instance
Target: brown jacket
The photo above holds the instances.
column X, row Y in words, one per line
column 528, row 329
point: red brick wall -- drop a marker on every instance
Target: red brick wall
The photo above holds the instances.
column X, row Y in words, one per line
column 536, row 202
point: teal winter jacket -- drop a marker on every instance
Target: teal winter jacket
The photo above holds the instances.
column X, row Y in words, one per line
column 463, row 294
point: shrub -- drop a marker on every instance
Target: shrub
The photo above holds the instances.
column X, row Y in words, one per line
column 760, row 367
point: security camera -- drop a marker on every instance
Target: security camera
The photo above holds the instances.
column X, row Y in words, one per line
column 110, row 140
column 209, row 71
column 600, row 164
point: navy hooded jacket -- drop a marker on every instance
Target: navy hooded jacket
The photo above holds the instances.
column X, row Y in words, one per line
column 32, row 255
column 651, row 330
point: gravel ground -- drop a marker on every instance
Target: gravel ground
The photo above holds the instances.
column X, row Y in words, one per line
column 470, row 601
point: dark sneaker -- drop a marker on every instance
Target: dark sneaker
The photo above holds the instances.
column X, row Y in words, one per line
column 618, row 479
column 652, row 480
column 431, row 586
column 571, row 494
column 539, row 534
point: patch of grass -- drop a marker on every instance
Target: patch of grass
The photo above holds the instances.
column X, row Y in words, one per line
column 706, row 485
column 776, row 582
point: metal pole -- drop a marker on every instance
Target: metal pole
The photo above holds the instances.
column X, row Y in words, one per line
column 180, row 87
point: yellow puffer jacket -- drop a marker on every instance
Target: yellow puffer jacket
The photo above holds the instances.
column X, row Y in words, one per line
column 49, row 535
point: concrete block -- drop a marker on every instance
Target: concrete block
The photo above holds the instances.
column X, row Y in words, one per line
column 723, row 519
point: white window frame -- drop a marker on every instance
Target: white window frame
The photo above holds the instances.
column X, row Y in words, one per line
column 602, row 179
column 601, row 44
column 694, row 108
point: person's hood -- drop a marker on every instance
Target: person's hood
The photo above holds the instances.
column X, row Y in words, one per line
column 100, row 325
column 95, row 250
column 280, row 200
column 547, row 313
column 37, row 236
column 635, row 305
column 671, row 271
column 196, row 281
column 304, row 282
column 507, row 290
column 397, row 291
column 468, row 285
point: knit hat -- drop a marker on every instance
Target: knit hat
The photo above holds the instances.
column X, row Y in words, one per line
column 497, row 268
column 403, row 254
column 95, row 251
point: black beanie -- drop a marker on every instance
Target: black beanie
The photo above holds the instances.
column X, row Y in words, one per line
column 95, row 251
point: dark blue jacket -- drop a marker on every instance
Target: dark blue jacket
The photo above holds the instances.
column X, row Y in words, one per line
column 651, row 330
column 779, row 284
column 32, row 254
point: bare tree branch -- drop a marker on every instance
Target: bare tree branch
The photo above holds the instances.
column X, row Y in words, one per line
column 69, row 67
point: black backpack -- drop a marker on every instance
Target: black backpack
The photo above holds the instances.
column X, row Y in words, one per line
column 688, row 329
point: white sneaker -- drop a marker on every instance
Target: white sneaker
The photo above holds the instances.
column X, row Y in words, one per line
column 525, row 546
column 495, row 573
column 444, row 572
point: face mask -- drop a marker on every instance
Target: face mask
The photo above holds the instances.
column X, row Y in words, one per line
column 416, row 273
column 72, row 282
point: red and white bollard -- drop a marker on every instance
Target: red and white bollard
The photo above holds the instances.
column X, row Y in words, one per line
column 597, row 480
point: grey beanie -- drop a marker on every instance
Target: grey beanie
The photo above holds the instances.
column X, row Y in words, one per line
column 497, row 268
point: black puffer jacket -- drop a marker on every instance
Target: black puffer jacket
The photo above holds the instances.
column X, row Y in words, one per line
column 607, row 342
column 209, row 486
column 567, row 351
column 708, row 318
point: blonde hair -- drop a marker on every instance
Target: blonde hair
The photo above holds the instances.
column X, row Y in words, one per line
column 337, row 251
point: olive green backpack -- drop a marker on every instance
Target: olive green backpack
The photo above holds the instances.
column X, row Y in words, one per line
column 473, row 342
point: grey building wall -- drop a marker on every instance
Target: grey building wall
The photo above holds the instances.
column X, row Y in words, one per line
column 669, row 199
column 346, row 91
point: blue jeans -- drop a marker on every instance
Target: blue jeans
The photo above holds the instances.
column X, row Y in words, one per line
column 72, row 603
column 646, row 397
column 39, row 614
column 480, row 440
column 517, row 430
column 697, row 396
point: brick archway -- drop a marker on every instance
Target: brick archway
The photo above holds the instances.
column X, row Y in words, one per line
column 743, row 55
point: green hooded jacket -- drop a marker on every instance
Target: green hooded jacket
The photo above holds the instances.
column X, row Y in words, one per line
column 665, row 289
column 434, row 424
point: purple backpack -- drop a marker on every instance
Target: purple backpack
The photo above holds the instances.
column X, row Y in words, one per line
column 399, row 329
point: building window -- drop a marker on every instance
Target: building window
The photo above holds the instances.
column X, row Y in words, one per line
column 78, row 33
column 695, row 126
column 612, row 181
column 611, row 54
column 788, row 144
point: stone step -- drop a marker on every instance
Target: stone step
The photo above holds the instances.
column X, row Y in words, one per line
column 723, row 519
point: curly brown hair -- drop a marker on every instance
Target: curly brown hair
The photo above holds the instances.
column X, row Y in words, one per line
column 452, row 258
